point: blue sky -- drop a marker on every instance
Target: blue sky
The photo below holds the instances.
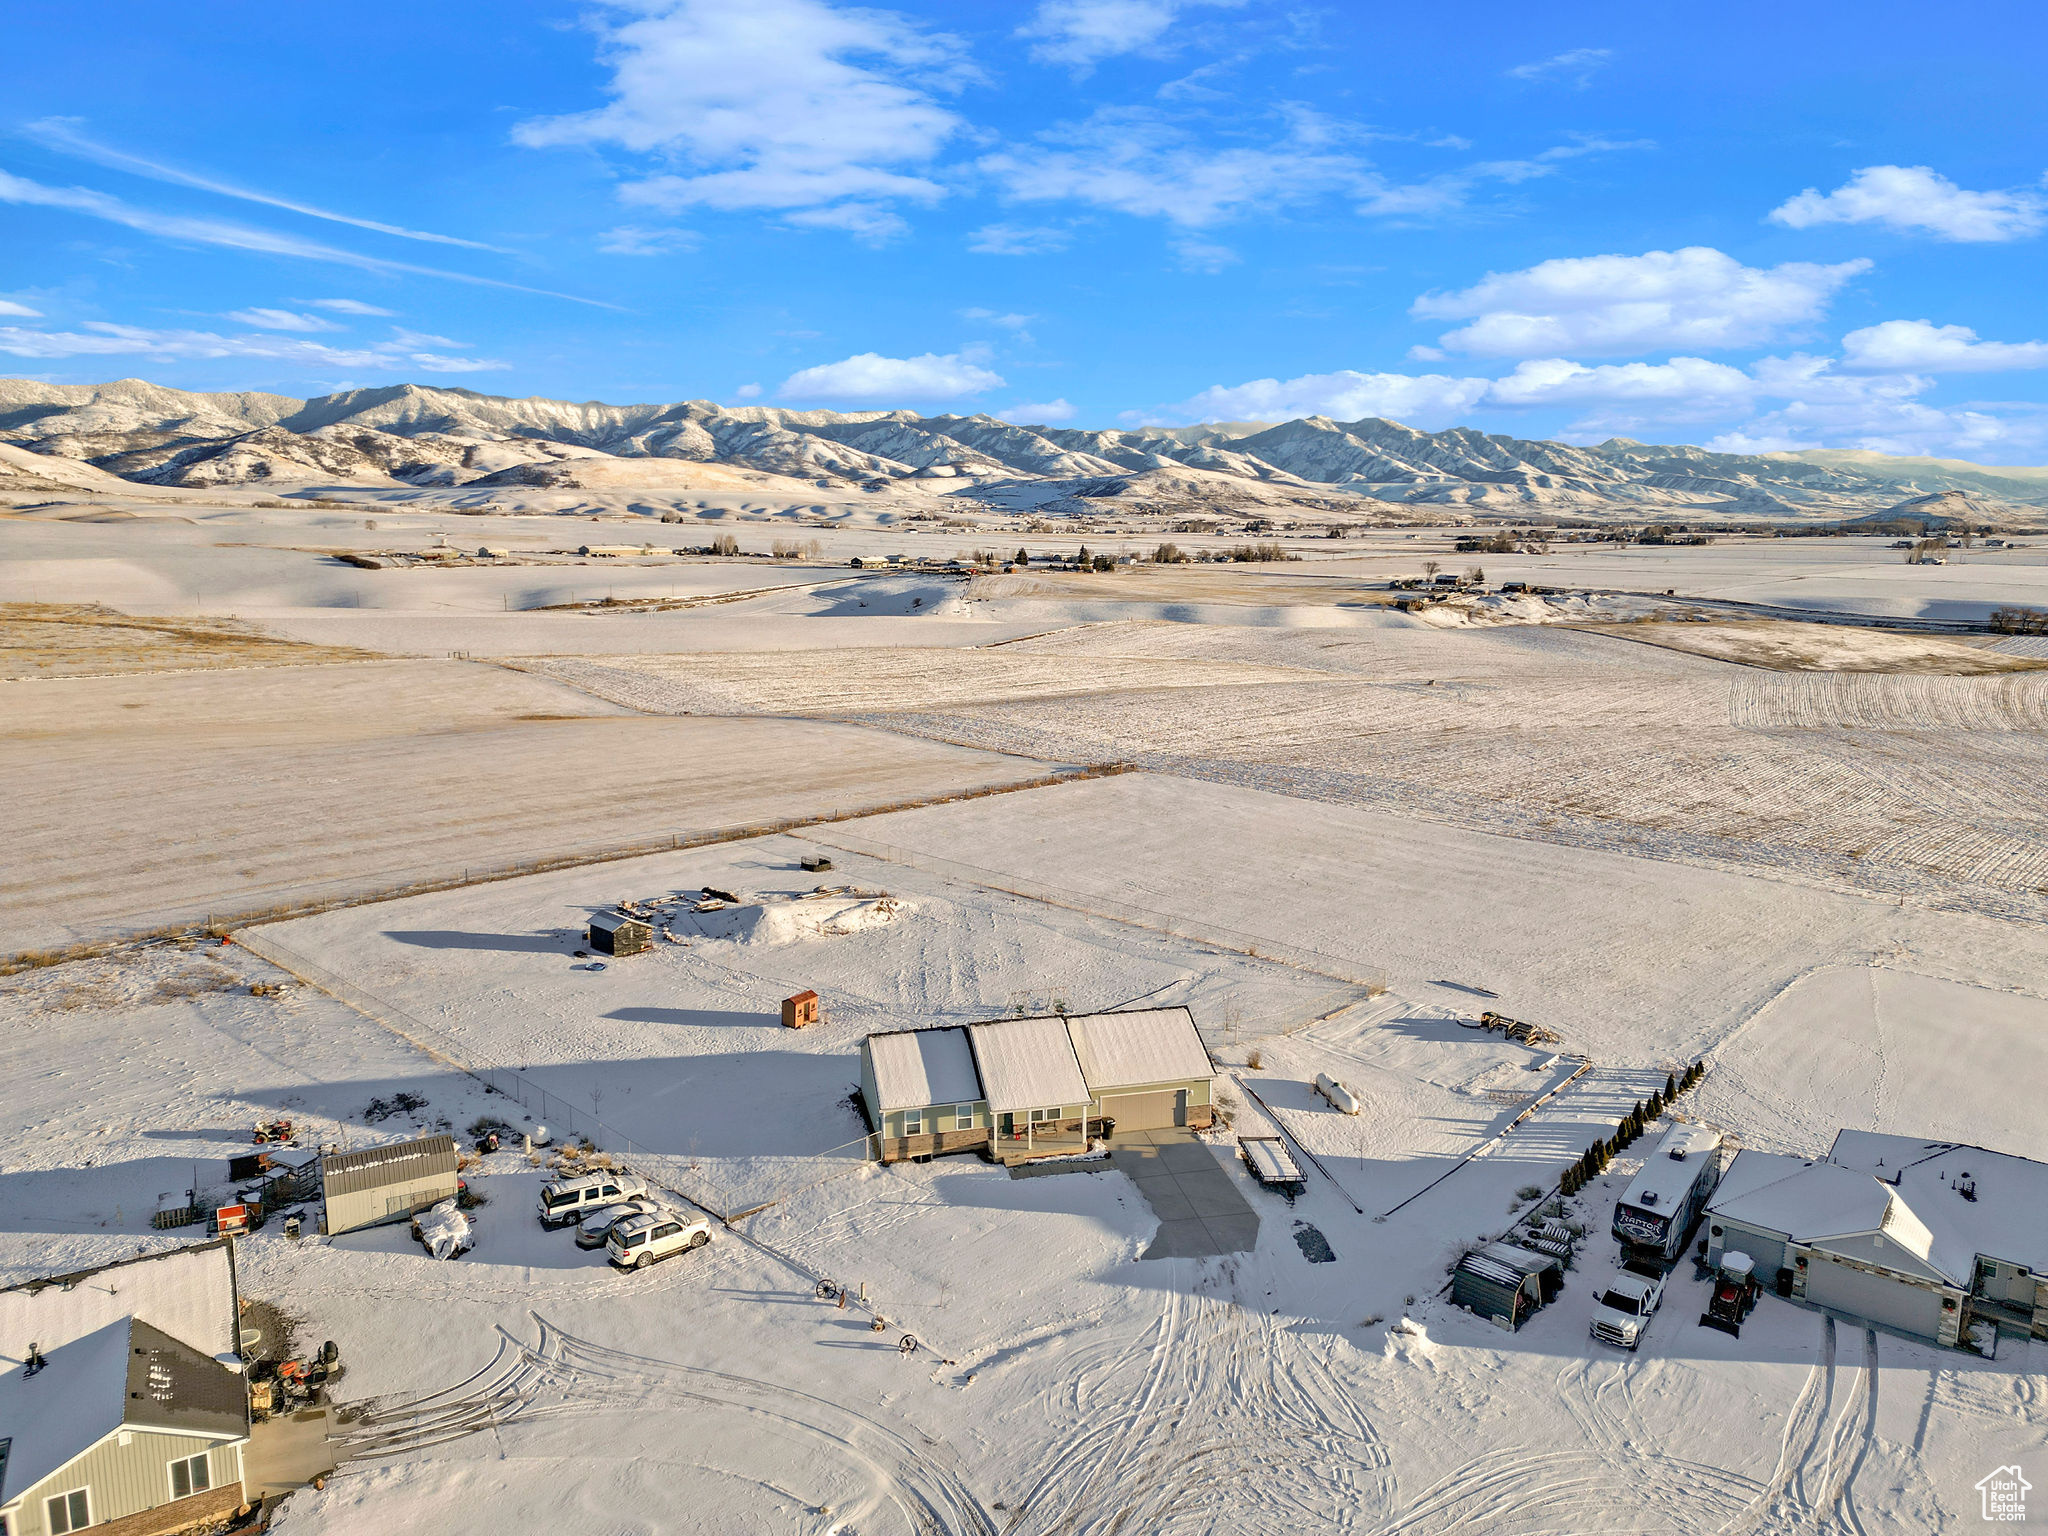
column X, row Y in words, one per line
column 1753, row 227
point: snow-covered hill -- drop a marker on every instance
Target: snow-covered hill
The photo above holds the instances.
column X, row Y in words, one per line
column 409, row 434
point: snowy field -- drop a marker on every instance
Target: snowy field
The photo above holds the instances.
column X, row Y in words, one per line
column 1066, row 1384
column 1819, row 862
column 288, row 783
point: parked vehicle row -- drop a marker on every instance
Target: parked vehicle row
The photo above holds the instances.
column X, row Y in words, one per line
column 614, row 1211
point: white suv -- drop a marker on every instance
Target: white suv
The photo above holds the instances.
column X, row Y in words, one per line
column 639, row 1241
column 567, row 1201
column 1622, row 1314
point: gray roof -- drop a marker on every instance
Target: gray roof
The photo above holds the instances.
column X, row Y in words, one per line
column 123, row 1375
column 1027, row 1064
column 1131, row 1050
column 915, row 1068
column 172, row 1386
column 612, row 922
column 400, row 1162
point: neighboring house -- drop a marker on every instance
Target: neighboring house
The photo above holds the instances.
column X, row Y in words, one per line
column 388, row 1183
column 121, row 1397
column 1028, row 1086
column 1923, row 1238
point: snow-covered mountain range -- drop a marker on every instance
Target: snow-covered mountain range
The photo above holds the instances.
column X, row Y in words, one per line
column 420, row 436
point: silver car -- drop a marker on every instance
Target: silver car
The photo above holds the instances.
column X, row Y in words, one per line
column 597, row 1226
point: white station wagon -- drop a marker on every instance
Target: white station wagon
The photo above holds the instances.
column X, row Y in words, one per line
column 639, row 1241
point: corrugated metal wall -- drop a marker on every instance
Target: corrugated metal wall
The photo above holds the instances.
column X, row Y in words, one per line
column 387, row 1202
column 127, row 1479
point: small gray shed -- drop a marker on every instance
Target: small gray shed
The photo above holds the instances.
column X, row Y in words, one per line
column 365, row 1189
column 1506, row 1283
column 614, row 933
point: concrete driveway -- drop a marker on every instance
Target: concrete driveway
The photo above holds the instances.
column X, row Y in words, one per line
column 1201, row 1212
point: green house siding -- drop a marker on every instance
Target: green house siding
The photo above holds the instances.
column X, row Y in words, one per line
column 126, row 1479
column 938, row 1117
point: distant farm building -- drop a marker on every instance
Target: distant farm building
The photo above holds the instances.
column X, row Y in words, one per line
column 366, row 1189
column 1931, row 1239
column 800, row 1011
column 1034, row 1086
column 614, row 933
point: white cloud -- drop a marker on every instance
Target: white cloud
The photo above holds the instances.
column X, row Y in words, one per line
column 231, row 236
column 21, row 311
column 61, row 133
column 633, row 240
column 1696, row 387
column 349, row 307
column 1044, row 413
column 1916, row 197
column 1696, row 297
column 98, row 338
column 1576, row 66
column 795, row 106
column 279, row 320
column 1905, row 345
column 1018, row 239
column 869, row 378
column 1010, row 322
column 747, row 392
column 1204, row 255
column 1137, row 162
column 1082, row 33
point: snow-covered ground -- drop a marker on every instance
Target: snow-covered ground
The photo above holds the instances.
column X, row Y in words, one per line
column 1827, row 884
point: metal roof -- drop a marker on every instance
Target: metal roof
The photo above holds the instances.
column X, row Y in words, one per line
column 613, row 922
column 915, row 1068
column 1130, row 1050
column 348, row 1173
column 1027, row 1064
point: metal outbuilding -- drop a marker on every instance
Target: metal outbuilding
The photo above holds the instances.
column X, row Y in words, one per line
column 388, row 1183
column 1505, row 1283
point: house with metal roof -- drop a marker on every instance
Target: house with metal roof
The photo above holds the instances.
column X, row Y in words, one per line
column 1034, row 1086
column 387, row 1183
column 121, row 1397
column 1146, row 1069
column 1935, row 1240
column 922, row 1093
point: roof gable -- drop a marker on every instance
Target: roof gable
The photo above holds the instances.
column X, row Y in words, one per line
column 918, row 1067
column 1027, row 1064
column 1131, row 1050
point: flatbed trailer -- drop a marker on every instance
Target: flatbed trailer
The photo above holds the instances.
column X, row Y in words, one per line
column 1271, row 1163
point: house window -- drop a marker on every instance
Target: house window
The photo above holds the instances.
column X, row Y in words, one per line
column 189, row 1475
column 68, row 1512
column 963, row 1117
column 1044, row 1114
column 913, row 1122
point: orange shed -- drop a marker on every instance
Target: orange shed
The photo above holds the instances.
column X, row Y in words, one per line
column 800, row 1010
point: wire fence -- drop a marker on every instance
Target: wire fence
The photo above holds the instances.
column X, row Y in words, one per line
column 305, row 899
column 1257, row 946
column 549, row 1109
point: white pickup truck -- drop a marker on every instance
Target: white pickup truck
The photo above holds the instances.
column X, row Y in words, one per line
column 1621, row 1315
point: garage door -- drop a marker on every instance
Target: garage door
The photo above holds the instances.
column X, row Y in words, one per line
column 1858, row 1292
column 1147, row 1111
